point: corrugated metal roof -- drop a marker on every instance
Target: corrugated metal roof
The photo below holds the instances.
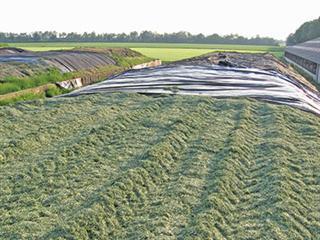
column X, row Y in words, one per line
column 309, row 50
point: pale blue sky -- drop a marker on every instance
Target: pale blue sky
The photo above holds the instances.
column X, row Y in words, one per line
column 275, row 18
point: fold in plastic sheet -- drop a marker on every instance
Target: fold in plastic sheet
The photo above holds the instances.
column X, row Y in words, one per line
column 211, row 80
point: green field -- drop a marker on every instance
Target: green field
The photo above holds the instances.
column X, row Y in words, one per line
column 171, row 54
column 150, row 45
column 129, row 166
column 174, row 54
column 163, row 51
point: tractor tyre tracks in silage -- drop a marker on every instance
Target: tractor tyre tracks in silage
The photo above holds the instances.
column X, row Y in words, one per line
column 171, row 167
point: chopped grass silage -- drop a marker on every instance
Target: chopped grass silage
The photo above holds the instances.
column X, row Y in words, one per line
column 128, row 166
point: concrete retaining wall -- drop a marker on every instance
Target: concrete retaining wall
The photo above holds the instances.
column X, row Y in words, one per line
column 154, row 63
column 71, row 84
column 314, row 77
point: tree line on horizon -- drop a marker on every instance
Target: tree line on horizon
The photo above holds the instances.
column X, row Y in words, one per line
column 144, row 36
column 307, row 31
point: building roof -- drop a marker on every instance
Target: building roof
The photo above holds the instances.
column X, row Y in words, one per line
column 309, row 50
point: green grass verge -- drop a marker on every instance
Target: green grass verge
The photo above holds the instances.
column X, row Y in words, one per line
column 30, row 94
column 23, row 97
column 14, row 84
column 128, row 166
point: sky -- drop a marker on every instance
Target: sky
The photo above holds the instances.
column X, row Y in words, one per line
column 273, row 18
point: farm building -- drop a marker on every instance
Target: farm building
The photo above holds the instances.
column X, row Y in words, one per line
column 306, row 56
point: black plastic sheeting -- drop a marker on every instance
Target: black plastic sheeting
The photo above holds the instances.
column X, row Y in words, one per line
column 65, row 61
column 211, row 80
column 24, row 59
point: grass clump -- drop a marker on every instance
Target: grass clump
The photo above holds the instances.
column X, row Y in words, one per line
column 55, row 91
column 128, row 62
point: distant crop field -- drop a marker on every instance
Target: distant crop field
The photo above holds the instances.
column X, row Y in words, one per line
column 171, row 54
column 150, row 45
column 163, row 51
column 175, row 54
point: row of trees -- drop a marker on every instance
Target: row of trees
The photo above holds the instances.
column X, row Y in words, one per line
column 145, row 36
column 307, row 31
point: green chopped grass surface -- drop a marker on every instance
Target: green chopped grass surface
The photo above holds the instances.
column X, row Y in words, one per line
column 129, row 166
